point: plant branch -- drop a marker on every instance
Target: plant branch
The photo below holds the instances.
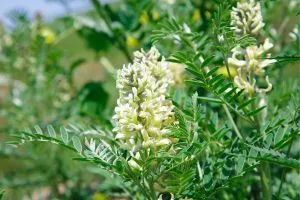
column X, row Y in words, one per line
column 265, row 174
column 232, row 122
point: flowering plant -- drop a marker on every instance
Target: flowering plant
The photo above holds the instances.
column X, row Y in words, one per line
column 214, row 132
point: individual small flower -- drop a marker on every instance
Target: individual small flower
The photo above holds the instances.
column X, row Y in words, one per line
column 155, row 15
column 241, row 81
column 7, row 41
column 221, row 38
column 144, row 18
column 132, row 42
column 48, row 35
column 133, row 163
column 99, row 196
column 207, row 14
column 246, row 18
column 143, row 111
column 196, row 15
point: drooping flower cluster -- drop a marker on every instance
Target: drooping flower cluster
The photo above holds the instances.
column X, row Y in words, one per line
column 246, row 18
column 143, row 111
column 249, row 64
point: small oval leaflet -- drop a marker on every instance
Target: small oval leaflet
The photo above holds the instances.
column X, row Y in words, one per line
column 38, row 130
column 64, row 135
column 240, row 164
column 77, row 143
column 51, row 131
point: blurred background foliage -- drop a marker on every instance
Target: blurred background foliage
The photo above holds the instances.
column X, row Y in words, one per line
column 63, row 71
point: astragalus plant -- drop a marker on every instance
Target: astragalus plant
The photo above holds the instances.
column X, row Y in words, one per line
column 231, row 131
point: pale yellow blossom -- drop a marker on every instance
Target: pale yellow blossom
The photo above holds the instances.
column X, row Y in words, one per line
column 250, row 64
column 48, row 35
column 246, row 18
column 143, row 111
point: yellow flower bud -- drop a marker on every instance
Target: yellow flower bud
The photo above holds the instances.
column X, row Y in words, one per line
column 48, row 35
column 207, row 14
column 132, row 42
column 99, row 196
column 155, row 15
column 223, row 71
column 196, row 15
column 144, row 18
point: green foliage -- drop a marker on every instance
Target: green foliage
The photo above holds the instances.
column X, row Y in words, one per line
column 1, row 194
column 227, row 142
column 93, row 100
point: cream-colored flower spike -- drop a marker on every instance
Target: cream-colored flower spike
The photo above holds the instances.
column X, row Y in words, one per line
column 249, row 63
column 143, row 111
column 246, row 18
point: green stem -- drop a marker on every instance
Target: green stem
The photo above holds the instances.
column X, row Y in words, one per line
column 143, row 190
column 265, row 176
column 152, row 190
column 102, row 13
column 236, row 130
column 284, row 171
column 264, row 167
column 209, row 99
column 227, row 66
column 136, row 180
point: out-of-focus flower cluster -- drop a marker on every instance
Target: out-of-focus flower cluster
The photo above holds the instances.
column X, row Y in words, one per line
column 246, row 18
column 177, row 72
column 18, row 59
column 143, row 111
column 249, row 61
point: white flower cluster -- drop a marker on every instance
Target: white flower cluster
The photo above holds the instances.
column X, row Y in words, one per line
column 143, row 111
column 249, row 63
column 246, row 18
